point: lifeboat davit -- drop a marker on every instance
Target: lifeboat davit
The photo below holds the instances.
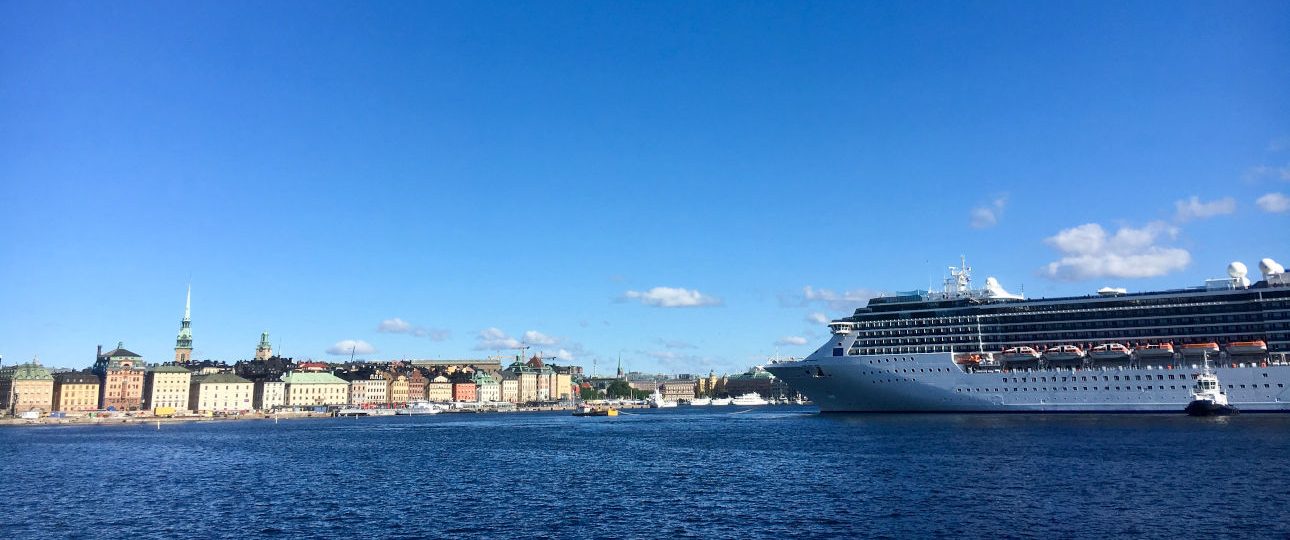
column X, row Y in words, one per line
column 1020, row 354
column 1063, row 353
column 1247, row 347
column 1155, row 351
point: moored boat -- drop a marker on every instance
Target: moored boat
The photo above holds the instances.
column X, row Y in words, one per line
column 721, row 401
column 586, row 409
column 418, row 408
column 656, row 401
column 701, row 401
column 751, row 398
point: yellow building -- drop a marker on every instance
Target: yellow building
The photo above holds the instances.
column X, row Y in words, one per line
column 25, row 388
column 315, row 389
column 397, row 389
column 167, row 387
column 76, row 391
column 221, row 393
column 439, row 390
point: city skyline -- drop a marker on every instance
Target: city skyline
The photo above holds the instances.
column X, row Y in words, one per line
column 699, row 188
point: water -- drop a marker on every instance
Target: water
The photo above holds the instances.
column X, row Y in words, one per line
column 685, row 472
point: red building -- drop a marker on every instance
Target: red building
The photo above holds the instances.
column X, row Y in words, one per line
column 417, row 385
column 464, row 391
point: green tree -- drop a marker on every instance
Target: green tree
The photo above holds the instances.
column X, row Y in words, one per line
column 620, row 389
column 588, row 393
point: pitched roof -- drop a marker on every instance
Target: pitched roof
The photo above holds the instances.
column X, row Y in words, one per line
column 26, row 372
column 168, row 369
column 77, row 377
column 118, row 352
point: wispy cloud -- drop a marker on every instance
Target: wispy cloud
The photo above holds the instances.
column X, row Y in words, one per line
column 988, row 215
column 836, row 301
column 672, row 297
column 1273, row 202
column 533, row 337
column 1258, row 173
column 351, row 346
column 400, row 326
column 677, row 344
column 1087, row 251
column 791, row 341
column 1194, row 208
column 817, row 318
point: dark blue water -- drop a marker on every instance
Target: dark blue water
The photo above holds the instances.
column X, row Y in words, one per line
column 692, row 473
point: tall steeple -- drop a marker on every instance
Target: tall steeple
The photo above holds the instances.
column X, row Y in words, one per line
column 264, row 350
column 184, row 341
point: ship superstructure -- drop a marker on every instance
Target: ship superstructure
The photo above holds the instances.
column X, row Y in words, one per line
column 965, row 349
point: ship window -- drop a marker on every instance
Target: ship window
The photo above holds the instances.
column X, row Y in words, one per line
column 1242, row 386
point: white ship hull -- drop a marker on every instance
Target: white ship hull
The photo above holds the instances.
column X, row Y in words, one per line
column 931, row 382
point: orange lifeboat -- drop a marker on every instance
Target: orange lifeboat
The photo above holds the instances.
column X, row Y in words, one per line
column 1247, row 347
column 1196, row 350
column 1155, row 351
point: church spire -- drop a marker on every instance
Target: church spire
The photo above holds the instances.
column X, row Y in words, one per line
column 184, row 341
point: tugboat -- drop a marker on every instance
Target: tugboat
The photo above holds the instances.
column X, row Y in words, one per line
column 1207, row 397
column 586, row 409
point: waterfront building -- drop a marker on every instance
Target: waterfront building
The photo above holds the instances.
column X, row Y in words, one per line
column 756, row 380
column 706, row 386
column 264, row 350
column 397, row 389
column 416, row 384
column 508, row 389
column 314, row 389
column 526, row 378
column 122, row 373
column 487, row 390
column 677, row 390
column 269, row 395
column 367, row 388
column 167, row 387
column 184, row 341
column 439, row 390
column 450, row 366
column 25, row 388
column 464, row 390
column 221, row 393
column 76, row 391
column 210, row 367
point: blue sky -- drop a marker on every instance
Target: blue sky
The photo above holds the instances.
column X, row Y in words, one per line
column 684, row 184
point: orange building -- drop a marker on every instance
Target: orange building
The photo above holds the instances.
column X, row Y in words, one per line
column 122, row 373
column 464, row 391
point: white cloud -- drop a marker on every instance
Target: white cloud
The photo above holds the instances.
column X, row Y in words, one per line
column 1273, row 202
column 791, row 340
column 670, row 297
column 565, row 355
column 494, row 339
column 533, row 337
column 400, row 326
column 837, row 301
column 986, row 216
column 351, row 346
column 817, row 318
column 1087, row 252
column 1193, row 208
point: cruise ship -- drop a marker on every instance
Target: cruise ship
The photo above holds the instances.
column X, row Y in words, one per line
column 986, row 350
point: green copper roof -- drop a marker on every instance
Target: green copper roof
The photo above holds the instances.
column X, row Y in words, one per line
column 168, row 369
column 297, row 377
column 26, row 372
column 220, row 378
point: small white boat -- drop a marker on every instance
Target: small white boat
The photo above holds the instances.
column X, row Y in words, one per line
column 418, row 408
column 751, row 398
column 701, row 401
column 656, row 401
column 721, row 401
column 1110, row 351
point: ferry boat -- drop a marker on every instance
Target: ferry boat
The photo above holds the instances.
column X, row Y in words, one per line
column 587, row 409
column 418, row 408
column 721, row 401
column 749, row 399
column 701, row 401
column 906, row 352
